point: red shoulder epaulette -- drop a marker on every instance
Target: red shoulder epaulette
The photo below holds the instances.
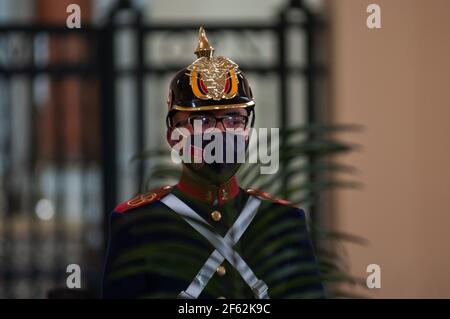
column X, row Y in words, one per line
column 143, row 199
column 264, row 195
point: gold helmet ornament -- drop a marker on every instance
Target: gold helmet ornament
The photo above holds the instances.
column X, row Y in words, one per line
column 209, row 83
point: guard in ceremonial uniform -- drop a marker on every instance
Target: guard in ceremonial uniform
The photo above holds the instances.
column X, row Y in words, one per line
column 206, row 237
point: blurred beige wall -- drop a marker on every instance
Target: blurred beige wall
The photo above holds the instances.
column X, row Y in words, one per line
column 396, row 82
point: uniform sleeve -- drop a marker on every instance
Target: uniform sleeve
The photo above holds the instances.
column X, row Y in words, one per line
column 116, row 283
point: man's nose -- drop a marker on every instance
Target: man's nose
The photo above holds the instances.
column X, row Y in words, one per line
column 219, row 126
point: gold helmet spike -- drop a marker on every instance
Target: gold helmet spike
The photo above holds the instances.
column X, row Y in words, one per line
column 204, row 49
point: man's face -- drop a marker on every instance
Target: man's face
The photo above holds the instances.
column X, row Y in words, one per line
column 219, row 162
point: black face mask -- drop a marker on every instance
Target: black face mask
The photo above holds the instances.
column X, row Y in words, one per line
column 224, row 163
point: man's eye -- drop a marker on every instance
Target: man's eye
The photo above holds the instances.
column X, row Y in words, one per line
column 235, row 120
column 204, row 120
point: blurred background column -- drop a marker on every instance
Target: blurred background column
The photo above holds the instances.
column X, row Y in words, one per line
column 395, row 81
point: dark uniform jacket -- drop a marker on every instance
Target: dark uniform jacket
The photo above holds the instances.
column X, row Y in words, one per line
column 154, row 253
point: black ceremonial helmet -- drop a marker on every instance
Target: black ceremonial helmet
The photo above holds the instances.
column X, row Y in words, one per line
column 209, row 83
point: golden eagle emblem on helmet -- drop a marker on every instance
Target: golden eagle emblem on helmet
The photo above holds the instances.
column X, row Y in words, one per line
column 212, row 77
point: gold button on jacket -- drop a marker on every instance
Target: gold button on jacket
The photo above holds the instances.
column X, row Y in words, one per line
column 216, row 215
column 221, row 271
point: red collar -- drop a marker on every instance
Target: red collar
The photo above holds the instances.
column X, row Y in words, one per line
column 209, row 193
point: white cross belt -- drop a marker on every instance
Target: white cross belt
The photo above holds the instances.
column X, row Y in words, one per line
column 223, row 246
